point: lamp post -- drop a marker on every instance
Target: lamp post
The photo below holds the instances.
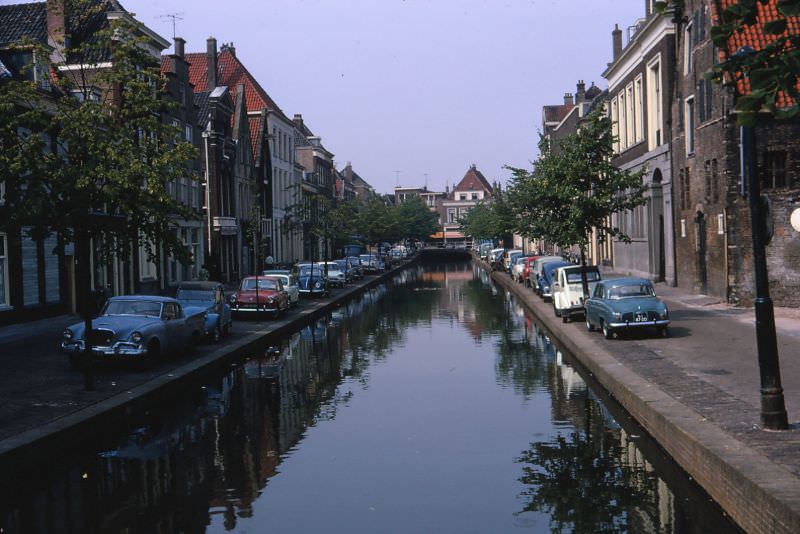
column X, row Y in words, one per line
column 773, row 407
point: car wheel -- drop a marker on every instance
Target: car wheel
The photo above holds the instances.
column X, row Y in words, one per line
column 589, row 325
column 152, row 356
column 607, row 332
column 664, row 331
column 193, row 342
column 564, row 318
column 555, row 310
column 74, row 361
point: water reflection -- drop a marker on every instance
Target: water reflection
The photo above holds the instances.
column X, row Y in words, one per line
column 208, row 461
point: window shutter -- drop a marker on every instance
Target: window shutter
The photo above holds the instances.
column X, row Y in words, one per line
column 680, row 113
column 701, row 112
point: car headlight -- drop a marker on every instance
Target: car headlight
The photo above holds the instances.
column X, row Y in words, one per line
column 68, row 335
column 318, row 285
column 617, row 316
column 137, row 337
column 665, row 314
column 233, row 299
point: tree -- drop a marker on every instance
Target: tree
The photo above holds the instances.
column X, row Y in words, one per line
column 576, row 190
column 415, row 221
column 85, row 153
column 478, row 222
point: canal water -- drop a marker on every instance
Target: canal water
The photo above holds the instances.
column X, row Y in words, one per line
column 432, row 403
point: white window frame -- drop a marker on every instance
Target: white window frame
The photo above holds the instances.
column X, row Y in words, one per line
column 630, row 114
column 638, row 96
column 655, row 118
column 683, row 227
column 4, row 301
column 687, row 49
column 148, row 270
column 615, row 125
column 689, row 124
column 621, row 110
column 721, row 223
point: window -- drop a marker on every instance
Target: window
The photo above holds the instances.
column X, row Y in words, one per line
column 474, row 196
column 683, row 227
column 187, row 134
column 147, row 269
column 3, row 271
column 714, row 181
column 630, row 115
column 654, row 113
column 463, row 196
column 774, row 172
column 689, row 112
column 688, row 44
column 623, row 122
column 615, row 125
column 685, row 191
column 720, row 224
column 638, row 97
column 451, row 215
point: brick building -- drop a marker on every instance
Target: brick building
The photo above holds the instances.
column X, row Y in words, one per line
column 713, row 226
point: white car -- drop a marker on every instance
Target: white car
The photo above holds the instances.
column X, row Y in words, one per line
column 289, row 284
column 516, row 270
column 507, row 257
column 336, row 276
column 567, row 290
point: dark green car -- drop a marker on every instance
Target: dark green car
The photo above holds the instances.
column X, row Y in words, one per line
column 626, row 304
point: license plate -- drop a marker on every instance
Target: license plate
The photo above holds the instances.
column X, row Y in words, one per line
column 641, row 317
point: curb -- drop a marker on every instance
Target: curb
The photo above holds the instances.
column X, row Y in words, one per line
column 106, row 415
column 760, row 496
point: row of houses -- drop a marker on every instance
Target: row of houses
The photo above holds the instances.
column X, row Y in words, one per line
column 670, row 119
column 261, row 172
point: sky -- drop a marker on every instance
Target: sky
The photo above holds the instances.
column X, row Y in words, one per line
column 409, row 88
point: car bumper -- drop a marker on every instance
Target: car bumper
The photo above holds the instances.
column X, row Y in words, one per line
column 261, row 309
column 312, row 291
column 120, row 348
column 660, row 322
column 574, row 310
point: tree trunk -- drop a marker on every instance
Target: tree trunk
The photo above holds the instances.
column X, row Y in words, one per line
column 84, row 251
column 584, row 278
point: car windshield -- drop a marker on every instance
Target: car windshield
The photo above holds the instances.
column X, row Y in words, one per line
column 249, row 284
column 283, row 278
column 333, row 267
column 633, row 290
column 366, row 257
column 147, row 308
column 574, row 277
column 194, row 294
column 307, row 271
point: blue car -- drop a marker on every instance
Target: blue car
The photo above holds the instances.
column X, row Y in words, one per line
column 137, row 328
column 545, row 282
column 626, row 304
column 210, row 298
column 312, row 281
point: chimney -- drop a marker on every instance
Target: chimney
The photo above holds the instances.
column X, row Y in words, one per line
column 568, row 99
column 580, row 94
column 230, row 48
column 616, row 41
column 179, row 47
column 647, row 10
column 56, row 29
column 211, row 57
column 298, row 120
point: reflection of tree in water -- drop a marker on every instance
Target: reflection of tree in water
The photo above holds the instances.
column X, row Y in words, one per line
column 488, row 308
column 520, row 364
column 582, row 482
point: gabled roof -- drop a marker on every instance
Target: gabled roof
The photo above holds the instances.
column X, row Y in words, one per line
column 23, row 21
column 231, row 72
column 473, row 180
column 756, row 38
column 556, row 113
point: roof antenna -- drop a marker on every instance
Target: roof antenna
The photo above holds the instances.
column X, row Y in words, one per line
column 174, row 17
column 397, row 178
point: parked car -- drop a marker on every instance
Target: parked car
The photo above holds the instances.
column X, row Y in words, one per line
column 370, row 263
column 260, row 294
column 497, row 259
column 527, row 269
column 536, row 270
column 626, row 304
column 548, row 277
column 289, row 283
column 208, row 297
column 139, row 328
column 484, row 250
column 567, row 290
column 347, row 269
column 516, row 268
column 336, row 276
column 508, row 258
column 358, row 268
column 311, row 280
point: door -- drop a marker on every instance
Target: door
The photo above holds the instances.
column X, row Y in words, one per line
column 702, row 248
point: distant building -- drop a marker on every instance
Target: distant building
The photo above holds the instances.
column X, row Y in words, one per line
column 361, row 189
column 473, row 189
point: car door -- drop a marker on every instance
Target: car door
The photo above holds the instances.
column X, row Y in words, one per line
column 592, row 303
column 170, row 342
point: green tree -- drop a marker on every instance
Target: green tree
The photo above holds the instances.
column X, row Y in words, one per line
column 415, row 221
column 575, row 190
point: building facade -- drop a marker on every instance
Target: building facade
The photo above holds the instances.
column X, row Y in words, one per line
column 640, row 93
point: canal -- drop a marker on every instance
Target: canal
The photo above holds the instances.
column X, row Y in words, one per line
column 432, row 403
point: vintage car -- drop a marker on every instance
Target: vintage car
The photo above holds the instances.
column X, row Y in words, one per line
column 358, row 268
column 370, row 263
column 567, row 290
column 138, row 328
column 626, row 304
column 547, row 278
column 336, row 276
column 517, row 267
column 260, row 294
column 311, row 281
column 536, row 270
column 527, row 270
column 289, row 283
column 347, row 268
column 210, row 298
column 508, row 259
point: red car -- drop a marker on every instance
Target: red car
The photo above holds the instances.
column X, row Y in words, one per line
column 260, row 294
column 526, row 270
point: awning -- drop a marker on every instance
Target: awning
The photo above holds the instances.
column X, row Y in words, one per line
column 448, row 235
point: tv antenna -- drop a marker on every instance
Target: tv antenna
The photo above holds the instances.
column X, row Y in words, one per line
column 175, row 17
column 426, row 180
column 397, row 178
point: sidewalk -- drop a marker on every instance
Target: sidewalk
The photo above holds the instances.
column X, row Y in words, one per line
column 698, row 394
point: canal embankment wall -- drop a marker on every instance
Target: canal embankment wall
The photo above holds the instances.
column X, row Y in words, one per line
column 108, row 416
column 759, row 495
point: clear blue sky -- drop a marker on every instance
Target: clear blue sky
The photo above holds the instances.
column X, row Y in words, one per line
column 417, row 86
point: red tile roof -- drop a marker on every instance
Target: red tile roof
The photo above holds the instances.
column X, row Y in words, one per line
column 755, row 37
column 557, row 113
column 231, row 72
column 473, row 180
